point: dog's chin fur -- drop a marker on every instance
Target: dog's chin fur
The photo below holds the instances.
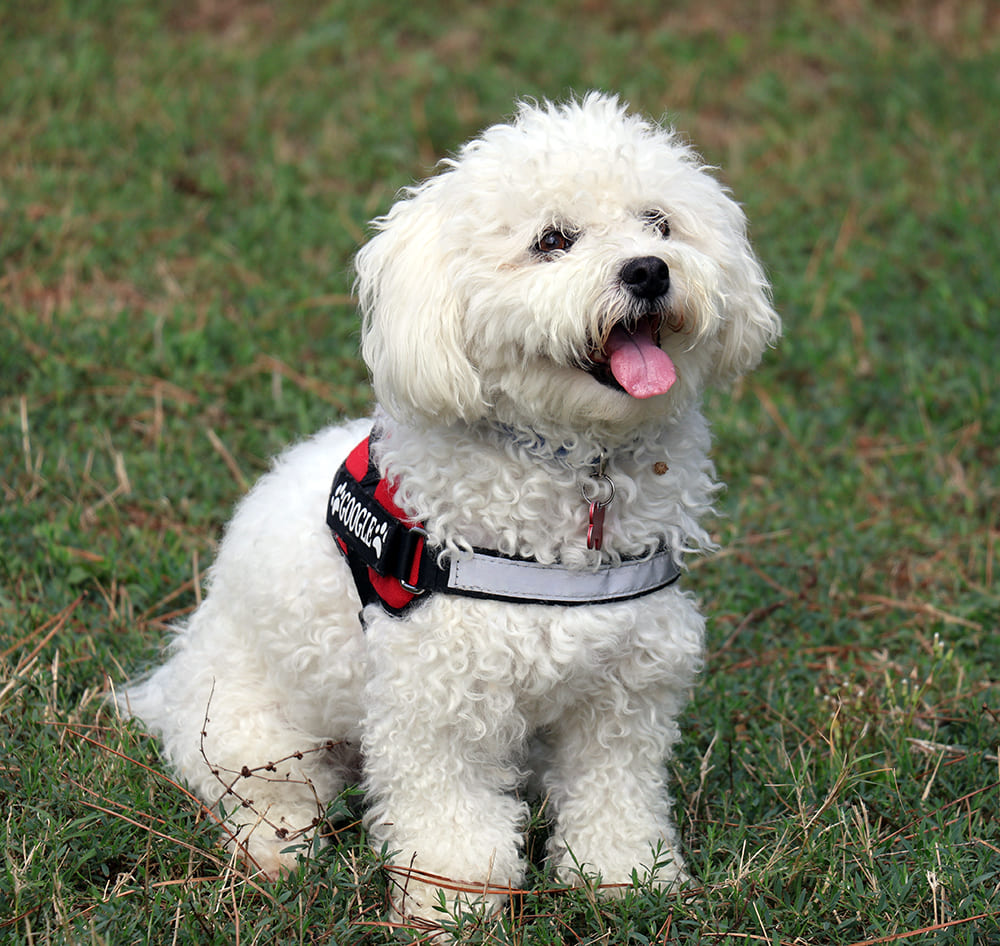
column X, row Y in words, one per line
column 565, row 404
column 491, row 425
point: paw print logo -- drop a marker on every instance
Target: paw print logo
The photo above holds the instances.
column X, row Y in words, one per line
column 378, row 538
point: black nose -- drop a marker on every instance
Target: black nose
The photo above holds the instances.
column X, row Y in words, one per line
column 646, row 277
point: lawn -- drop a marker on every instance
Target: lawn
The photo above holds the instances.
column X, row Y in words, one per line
column 182, row 187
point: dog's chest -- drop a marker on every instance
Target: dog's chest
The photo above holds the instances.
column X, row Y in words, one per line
column 531, row 650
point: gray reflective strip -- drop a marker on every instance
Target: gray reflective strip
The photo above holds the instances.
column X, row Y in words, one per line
column 494, row 576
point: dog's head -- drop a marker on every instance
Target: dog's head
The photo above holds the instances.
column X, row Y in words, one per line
column 577, row 270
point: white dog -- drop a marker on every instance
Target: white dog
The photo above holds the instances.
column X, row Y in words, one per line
column 540, row 320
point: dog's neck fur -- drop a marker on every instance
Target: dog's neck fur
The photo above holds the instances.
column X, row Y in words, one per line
column 577, row 454
column 477, row 485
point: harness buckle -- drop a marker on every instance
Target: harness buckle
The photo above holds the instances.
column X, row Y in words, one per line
column 417, row 532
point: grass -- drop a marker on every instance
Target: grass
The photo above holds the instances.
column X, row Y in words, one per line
column 181, row 188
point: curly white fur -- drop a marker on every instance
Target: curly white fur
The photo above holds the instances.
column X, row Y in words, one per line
column 482, row 347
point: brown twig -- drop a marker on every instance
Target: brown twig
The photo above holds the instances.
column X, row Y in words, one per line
column 246, row 772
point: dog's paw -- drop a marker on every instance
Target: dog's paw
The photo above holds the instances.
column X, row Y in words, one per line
column 269, row 849
column 273, row 858
column 667, row 873
column 443, row 913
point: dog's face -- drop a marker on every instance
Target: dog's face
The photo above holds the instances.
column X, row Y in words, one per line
column 575, row 271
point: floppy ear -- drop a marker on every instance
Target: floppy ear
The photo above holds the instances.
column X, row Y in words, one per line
column 750, row 323
column 412, row 333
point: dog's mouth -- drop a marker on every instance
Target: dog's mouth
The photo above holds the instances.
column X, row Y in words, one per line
column 630, row 359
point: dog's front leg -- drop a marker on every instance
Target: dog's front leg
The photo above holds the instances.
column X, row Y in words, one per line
column 606, row 784
column 440, row 737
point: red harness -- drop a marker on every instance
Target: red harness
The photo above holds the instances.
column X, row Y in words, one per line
column 383, row 547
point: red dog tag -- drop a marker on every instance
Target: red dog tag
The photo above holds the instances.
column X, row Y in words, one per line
column 598, row 507
column 595, row 531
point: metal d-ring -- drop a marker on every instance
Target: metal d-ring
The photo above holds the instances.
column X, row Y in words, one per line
column 598, row 479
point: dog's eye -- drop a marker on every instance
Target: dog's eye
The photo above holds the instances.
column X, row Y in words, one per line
column 658, row 221
column 554, row 241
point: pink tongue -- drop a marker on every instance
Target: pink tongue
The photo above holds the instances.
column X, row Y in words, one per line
column 641, row 367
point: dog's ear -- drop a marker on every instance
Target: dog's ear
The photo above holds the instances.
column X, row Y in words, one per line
column 412, row 329
column 750, row 324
